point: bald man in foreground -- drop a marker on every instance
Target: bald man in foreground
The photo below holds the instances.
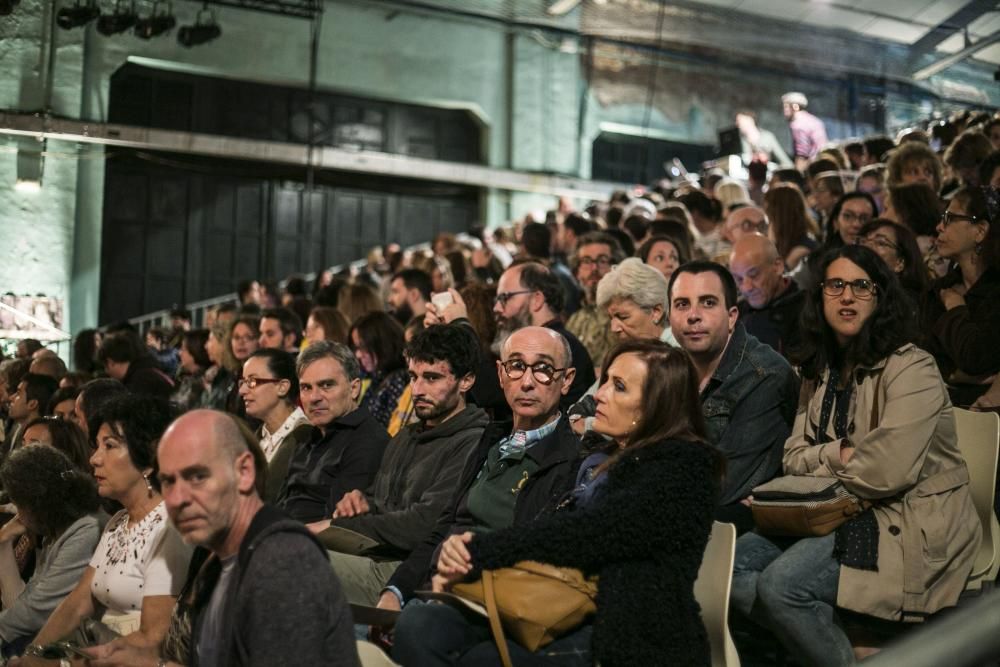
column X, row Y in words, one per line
column 260, row 591
column 771, row 302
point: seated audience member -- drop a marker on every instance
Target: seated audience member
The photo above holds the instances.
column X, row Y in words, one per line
column 960, row 313
column 918, row 207
column 913, row 162
column 62, row 403
column 730, row 192
column 791, row 228
column 851, row 212
column 58, row 505
column 748, row 390
column 656, row 481
column 27, row 348
column 74, row 380
column 663, row 253
column 771, row 302
column 92, row 398
column 744, row 220
column 85, row 346
column 596, row 254
column 536, row 239
column 871, row 180
column 138, row 568
column 45, row 362
column 269, row 387
column 194, row 363
column 127, row 360
column 280, row 329
column 529, row 294
column 875, row 415
column 897, row 246
column 346, row 446
column 260, row 592
column 409, row 294
column 535, row 373
column 30, row 401
column 64, row 435
column 635, row 297
column 326, row 323
column 965, row 155
column 220, row 378
column 989, row 170
column 378, row 341
column 158, row 345
column 422, row 463
column 706, row 214
column 828, row 188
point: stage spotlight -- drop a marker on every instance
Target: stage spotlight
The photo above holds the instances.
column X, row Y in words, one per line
column 77, row 16
column 158, row 22
column 205, row 29
column 123, row 18
column 7, row 6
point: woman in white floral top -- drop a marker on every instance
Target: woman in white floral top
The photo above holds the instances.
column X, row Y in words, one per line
column 140, row 563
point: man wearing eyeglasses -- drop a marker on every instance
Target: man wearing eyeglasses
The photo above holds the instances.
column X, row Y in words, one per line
column 771, row 302
column 347, row 444
column 744, row 219
column 516, row 471
column 596, row 254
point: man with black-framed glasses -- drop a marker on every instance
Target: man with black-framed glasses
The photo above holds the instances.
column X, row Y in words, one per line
column 518, row 469
column 596, row 254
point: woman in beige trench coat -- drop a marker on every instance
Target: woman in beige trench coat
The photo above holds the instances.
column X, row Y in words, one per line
column 874, row 414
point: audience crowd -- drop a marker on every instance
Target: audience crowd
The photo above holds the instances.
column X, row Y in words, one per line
column 319, row 463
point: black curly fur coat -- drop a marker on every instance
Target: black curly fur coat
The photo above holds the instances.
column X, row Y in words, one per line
column 644, row 536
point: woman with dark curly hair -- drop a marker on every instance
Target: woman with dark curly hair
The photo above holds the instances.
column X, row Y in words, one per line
column 58, row 505
column 874, row 415
column 378, row 341
column 140, row 563
column 639, row 518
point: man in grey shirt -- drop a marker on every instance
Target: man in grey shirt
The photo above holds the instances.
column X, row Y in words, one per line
column 260, row 591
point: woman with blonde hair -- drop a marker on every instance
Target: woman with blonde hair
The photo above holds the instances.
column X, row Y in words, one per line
column 357, row 300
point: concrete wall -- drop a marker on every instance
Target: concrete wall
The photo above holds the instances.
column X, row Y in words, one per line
column 528, row 87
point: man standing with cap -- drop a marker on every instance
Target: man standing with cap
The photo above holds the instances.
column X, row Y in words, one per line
column 808, row 131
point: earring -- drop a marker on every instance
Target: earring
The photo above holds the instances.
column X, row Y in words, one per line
column 979, row 248
column 149, row 485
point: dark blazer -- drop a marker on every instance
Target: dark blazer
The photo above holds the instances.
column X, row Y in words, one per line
column 644, row 534
column 553, row 479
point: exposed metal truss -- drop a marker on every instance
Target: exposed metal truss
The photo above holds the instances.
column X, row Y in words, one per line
column 957, row 22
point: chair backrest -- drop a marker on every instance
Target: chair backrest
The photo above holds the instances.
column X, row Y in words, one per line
column 711, row 590
column 979, row 441
column 373, row 656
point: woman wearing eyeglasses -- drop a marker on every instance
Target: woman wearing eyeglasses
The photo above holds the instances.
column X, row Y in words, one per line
column 898, row 248
column 269, row 388
column 874, row 414
column 961, row 315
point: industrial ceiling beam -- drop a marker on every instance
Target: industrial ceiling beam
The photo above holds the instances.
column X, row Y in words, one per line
column 321, row 157
column 957, row 22
column 948, row 61
column 304, row 9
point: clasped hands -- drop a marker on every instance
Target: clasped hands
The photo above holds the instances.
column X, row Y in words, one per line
column 353, row 503
column 454, row 562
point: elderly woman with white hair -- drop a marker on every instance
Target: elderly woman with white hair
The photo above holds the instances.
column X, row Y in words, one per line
column 636, row 297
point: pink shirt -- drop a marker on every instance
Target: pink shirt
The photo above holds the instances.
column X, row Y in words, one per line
column 808, row 134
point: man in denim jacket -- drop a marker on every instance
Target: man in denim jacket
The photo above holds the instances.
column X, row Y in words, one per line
column 748, row 391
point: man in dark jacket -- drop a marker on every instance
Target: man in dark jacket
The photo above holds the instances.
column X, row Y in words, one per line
column 518, row 470
column 258, row 579
column 129, row 361
column 748, row 391
column 771, row 302
column 346, row 448
column 420, row 470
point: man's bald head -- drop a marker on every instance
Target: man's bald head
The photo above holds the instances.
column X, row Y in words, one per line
column 47, row 364
column 539, row 335
column 758, row 269
column 229, row 438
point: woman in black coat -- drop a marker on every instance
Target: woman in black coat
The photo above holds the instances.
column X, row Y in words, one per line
column 639, row 518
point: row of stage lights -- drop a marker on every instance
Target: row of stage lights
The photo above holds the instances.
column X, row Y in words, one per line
column 124, row 18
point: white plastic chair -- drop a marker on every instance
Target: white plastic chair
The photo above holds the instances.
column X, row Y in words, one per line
column 979, row 442
column 373, row 656
column 711, row 590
